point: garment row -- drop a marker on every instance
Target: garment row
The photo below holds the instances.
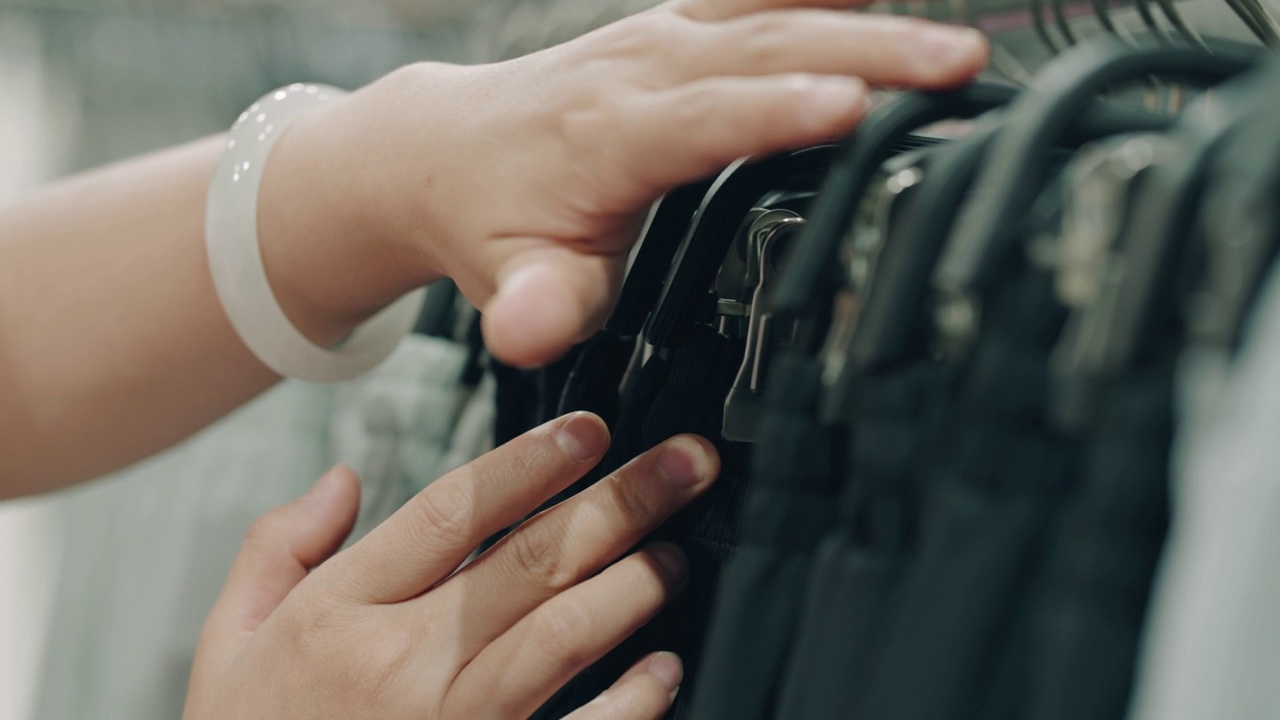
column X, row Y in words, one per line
column 992, row 405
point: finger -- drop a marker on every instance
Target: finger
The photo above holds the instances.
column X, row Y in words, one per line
column 883, row 50
column 426, row 540
column 520, row 670
column 723, row 119
column 571, row 542
column 279, row 550
column 645, row 692
column 549, row 299
column 725, row 9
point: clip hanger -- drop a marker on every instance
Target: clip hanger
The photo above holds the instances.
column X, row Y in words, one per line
column 744, row 406
column 709, row 240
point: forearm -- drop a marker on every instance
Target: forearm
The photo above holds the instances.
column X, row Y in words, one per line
column 114, row 342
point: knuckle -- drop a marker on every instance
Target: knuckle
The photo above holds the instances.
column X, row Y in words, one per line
column 591, row 122
column 564, row 632
column 445, row 509
column 537, row 555
column 631, row 503
column 693, row 108
column 647, row 34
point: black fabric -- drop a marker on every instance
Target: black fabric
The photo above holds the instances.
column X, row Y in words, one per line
column 995, row 476
column 858, row 565
column 790, row 505
column 691, row 388
column 597, row 373
column 1088, row 624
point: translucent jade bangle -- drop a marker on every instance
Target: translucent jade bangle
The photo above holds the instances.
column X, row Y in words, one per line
column 235, row 258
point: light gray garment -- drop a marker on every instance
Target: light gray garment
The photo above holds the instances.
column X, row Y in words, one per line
column 1212, row 648
column 147, row 550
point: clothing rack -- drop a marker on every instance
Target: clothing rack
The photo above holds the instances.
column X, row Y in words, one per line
column 946, row 375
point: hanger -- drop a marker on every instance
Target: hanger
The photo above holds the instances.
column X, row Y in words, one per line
column 810, row 279
column 1258, row 19
column 1103, row 183
column 670, row 221
column 1009, row 181
column 1107, row 333
column 1149, row 19
column 768, row 234
column 893, row 317
column 1060, row 18
column 710, row 238
column 1041, row 29
column 1170, row 10
column 1242, row 228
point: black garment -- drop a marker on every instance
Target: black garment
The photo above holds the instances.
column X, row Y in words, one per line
column 996, row 475
column 593, row 384
column 692, row 386
column 858, row 565
column 791, row 503
column 1100, row 572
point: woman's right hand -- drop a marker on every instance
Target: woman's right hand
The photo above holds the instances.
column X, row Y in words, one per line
column 390, row 628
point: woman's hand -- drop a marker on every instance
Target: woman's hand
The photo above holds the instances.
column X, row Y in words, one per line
column 527, row 181
column 391, row 629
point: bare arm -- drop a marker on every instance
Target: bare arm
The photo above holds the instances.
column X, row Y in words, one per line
column 524, row 181
column 114, row 343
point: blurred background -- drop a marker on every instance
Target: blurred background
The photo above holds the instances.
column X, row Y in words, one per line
column 86, row 82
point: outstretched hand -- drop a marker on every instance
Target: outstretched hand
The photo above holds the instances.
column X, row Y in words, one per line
column 390, row 628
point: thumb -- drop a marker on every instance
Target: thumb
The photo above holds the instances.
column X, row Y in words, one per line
column 279, row 550
column 549, row 299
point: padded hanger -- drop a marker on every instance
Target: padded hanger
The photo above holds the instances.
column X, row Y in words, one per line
column 1037, row 122
column 811, row 278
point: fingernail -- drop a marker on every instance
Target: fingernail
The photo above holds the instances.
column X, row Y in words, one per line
column 673, row 562
column 583, row 437
column 669, row 670
column 950, row 45
column 684, row 462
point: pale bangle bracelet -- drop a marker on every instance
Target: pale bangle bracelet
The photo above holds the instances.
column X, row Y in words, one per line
column 235, row 258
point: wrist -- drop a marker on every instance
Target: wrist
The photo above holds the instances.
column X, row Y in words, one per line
column 332, row 254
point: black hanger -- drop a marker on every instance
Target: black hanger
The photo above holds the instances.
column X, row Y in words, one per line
column 669, row 223
column 1037, row 122
column 709, row 240
column 1108, row 335
column 811, row 278
column 893, row 310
